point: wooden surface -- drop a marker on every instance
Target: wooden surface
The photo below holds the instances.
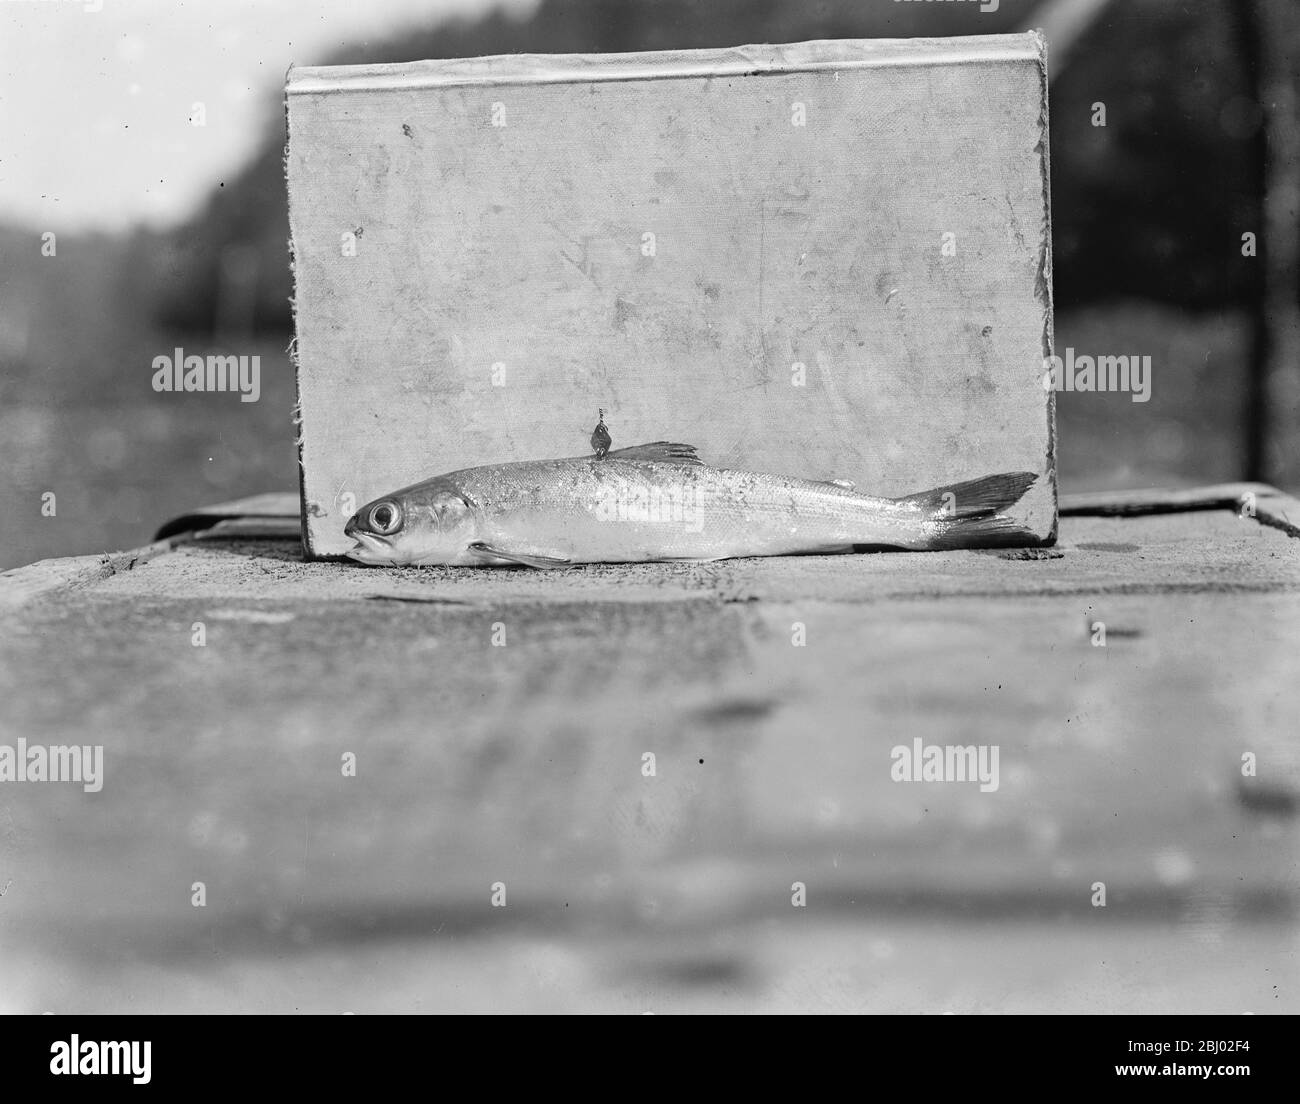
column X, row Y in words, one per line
column 501, row 290
column 522, row 764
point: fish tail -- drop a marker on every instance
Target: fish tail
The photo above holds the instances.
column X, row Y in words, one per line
column 973, row 514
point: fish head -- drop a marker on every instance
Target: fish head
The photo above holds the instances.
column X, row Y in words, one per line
column 431, row 523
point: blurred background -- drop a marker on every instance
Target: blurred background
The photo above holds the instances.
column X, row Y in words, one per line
column 147, row 137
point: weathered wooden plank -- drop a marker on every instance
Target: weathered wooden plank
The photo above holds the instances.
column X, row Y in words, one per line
column 1260, row 501
column 1230, row 555
column 522, row 764
column 21, row 585
column 274, row 506
column 827, row 259
column 1120, row 763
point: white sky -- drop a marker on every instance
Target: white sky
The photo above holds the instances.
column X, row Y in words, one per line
column 95, row 104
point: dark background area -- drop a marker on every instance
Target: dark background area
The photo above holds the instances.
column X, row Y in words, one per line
column 1148, row 214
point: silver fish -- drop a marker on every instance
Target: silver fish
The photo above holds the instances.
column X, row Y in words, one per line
column 660, row 502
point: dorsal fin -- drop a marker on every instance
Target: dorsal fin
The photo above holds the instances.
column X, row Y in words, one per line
column 668, row 452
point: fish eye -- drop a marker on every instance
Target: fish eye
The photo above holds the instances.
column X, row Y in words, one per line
column 385, row 518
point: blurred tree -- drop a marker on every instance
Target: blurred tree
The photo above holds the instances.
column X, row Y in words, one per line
column 1265, row 28
column 249, row 209
column 1150, row 204
column 1145, row 206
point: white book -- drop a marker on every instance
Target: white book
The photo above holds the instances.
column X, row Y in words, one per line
column 826, row 259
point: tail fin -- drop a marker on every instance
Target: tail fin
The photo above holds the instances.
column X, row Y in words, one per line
column 971, row 514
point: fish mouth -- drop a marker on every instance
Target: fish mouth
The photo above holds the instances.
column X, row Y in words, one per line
column 370, row 549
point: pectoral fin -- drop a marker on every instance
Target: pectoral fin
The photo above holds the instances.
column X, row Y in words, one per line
column 526, row 557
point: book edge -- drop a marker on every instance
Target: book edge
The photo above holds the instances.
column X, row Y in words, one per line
column 755, row 60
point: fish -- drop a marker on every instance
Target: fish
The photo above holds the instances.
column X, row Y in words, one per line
column 660, row 502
